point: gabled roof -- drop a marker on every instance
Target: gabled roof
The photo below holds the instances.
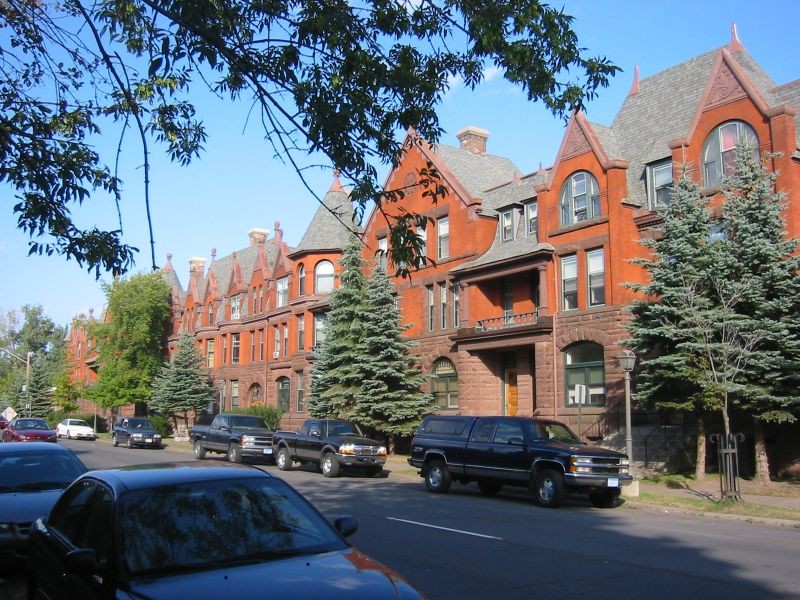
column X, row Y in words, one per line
column 476, row 172
column 331, row 226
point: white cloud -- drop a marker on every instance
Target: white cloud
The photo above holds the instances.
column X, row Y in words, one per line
column 490, row 73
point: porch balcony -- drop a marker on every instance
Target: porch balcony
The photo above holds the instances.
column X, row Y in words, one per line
column 511, row 330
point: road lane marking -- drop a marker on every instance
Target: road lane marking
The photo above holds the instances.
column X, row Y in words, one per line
column 480, row 535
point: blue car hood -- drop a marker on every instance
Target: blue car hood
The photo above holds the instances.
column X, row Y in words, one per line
column 24, row 507
column 345, row 574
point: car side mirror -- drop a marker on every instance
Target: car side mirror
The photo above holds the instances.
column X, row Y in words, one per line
column 515, row 441
column 346, row 526
column 315, row 432
column 82, row 561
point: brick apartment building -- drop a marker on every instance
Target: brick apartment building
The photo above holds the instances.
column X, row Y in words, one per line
column 525, row 294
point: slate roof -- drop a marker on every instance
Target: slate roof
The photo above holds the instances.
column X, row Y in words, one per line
column 328, row 229
column 476, row 172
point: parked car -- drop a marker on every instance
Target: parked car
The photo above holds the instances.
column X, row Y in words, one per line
column 32, row 477
column 135, row 431
column 199, row 530
column 540, row 454
column 330, row 443
column 235, row 435
column 3, row 422
column 75, row 429
column 27, row 429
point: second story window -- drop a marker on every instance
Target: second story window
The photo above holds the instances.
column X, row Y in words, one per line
column 383, row 252
column 276, row 342
column 659, row 184
column 580, row 198
column 443, row 304
column 234, row 348
column 301, row 332
column 323, row 277
column 507, row 225
column 569, row 282
column 261, row 335
column 301, row 280
column 209, row 353
column 532, row 220
column 224, row 349
column 210, row 313
column 431, row 308
column 719, row 150
column 252, row 346
column 235, row 307
column 456, row 291
column 319, row 330
column 443, row 237
column 596, row 272
column 285, row 328
column 282, row 291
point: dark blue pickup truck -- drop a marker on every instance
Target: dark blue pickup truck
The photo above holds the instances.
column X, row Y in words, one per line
column 235, row 435
column 542, row 455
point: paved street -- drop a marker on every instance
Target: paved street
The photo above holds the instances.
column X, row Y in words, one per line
column 464, row 545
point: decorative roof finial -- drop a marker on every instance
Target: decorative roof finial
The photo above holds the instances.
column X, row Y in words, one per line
column 735, row 45
column 169, row 257
column 213, row 254
column 635, row 85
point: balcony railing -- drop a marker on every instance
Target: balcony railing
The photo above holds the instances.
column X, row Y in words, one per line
column 508, row 321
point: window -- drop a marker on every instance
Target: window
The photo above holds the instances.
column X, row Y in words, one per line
column 252, row 346
column 719, row 150
column 443, row 304
column 209, row 353
column 659, row 184
column 255, row 394
column 443, row 237
column 282, row 291
column 319, row 330
column 301, row 332
column 234, row 394
column 276, row 342
column 580, row 198
column 422, row 232
column 444, row 384
column 431, row 308
column 456, row 291
column 383, row 252
column 301, row 280
column 235, row 307
column 224, row 349
column 507, row 225
column 261, row 335
column 596, row 271
column 583, row 364
column 569, row 282
column 323, row 277
column 301, row 404
column 210, row 314
column 283, row 394
column 234, row 348
column 285, row 328
column 532, row 220
column 261, row 298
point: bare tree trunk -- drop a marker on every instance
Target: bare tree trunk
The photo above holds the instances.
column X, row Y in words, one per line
column 762, row 460
column 700, row 463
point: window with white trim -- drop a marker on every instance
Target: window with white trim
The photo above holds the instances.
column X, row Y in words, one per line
column 234, row 348
column 583, row 364
column 235, row 305
column 323, row 277
column 456, row 292
column 301, row 332
column 532, row 220
column 431, row 308
column 443, row 305
column 234, row 393
column 580, row 198
column 282, row 291
column 209, row 353
column 383, row 253
column 319, row 330
column 596, row 275
column 569, row 282
column 719, row 150
column 659, row 184
column 507, row 225
column 301, row 280
column 443, row 237
column 444, row 384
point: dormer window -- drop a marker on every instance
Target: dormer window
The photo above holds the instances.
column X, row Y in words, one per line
column 507, row 225
column 532, row 220
column 719, row 150
column 234, row 307
column 659, row 184
column 282, row 286
column 580, row 198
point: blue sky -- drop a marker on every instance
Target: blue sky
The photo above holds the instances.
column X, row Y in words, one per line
column 237, row 184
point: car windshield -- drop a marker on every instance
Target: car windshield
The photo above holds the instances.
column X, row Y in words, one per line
column 32, row 471
column 342, row 428
column 216, row 523
column 247, row 421
column 139, row 424
column 558, row 432
column 30, row 424
column 77, row 422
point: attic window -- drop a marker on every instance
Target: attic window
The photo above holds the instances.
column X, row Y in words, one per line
column 719, row 150
column 580, row 198
column 507, row 225
column 234, row 307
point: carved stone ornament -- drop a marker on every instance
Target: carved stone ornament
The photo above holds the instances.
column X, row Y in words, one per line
column 725, row 88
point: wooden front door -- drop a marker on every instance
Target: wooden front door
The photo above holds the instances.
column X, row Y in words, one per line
column 511, row 393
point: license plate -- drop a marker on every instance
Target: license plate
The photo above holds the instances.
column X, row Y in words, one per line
column 613, row 482
column 148, row 441
column 267, row 450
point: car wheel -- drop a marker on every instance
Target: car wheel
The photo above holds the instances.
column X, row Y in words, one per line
column 605, row 499
column 437, row 477
column 69, row 435
column 235, row 453
column 129, row 443
column 489, row 488
column 374, row 471
column 329, row 465
column 114, row 441
column 199, row 450
column 283, row 460
column 58, row 434
column 550, row 488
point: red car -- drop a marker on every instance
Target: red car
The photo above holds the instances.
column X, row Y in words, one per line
column 3, row 422
column 26, row 429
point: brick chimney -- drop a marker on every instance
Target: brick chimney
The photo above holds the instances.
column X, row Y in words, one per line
column 473, row 139
column 197, row 266
column 257, row 236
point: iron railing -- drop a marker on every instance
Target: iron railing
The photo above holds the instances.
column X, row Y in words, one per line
column 507, row 321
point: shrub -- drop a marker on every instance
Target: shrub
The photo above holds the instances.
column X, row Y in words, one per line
column 161, row 424
column 271, row 414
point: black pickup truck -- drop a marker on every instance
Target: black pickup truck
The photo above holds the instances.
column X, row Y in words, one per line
column 236, row 435
column 330, row 443
column 543, row 455
column 136, row 431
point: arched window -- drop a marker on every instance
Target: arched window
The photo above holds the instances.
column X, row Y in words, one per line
column 323, row 277
column 444, row 384
column 283, row 394
column 580, row 198
column 583, row 364
column 301, row 280
column 719, row 150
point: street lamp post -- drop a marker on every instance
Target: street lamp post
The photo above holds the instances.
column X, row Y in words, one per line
column 627, row 361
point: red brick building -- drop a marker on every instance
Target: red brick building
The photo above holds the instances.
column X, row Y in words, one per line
column 525, row 294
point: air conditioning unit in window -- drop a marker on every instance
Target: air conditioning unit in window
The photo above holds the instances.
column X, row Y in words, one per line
column 276, row 354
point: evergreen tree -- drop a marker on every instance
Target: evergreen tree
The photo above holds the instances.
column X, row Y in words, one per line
column 763, row 261
column 130, row 342
column 39, row 388
column 182, row 384
column 391, row 398
column 336, row 379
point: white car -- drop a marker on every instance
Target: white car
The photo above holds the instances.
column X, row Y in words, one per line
column 75, row 429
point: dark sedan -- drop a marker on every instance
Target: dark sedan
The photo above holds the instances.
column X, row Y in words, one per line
column 26, row 429
column 32, row 477
column 199, row 531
